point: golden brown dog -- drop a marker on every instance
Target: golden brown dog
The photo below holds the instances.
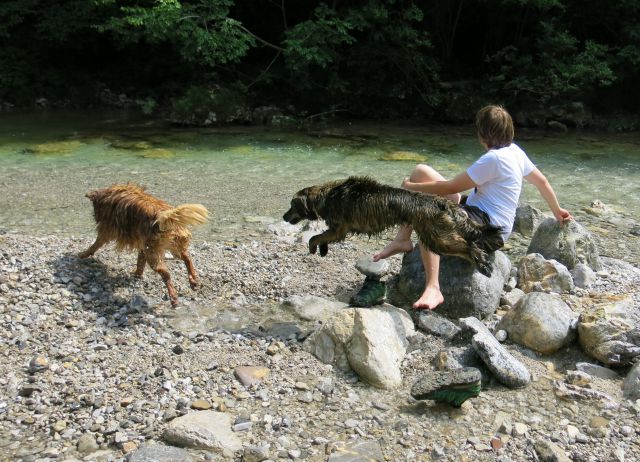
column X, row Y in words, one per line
column 361, row 205
column 136, row 220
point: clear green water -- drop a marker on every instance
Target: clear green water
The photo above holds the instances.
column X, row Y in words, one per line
column 247, row 175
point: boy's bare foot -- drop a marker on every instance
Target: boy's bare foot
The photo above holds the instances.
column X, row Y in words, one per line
column 394, row 247
column 430, row 299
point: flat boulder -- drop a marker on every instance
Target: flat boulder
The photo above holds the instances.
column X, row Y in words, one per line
column 203, row 430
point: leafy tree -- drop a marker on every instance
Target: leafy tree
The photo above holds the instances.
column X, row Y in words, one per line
column 201, row 30
column 554, row 68
column 365, row 55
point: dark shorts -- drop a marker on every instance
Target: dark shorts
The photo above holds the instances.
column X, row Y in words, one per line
column 475, row 213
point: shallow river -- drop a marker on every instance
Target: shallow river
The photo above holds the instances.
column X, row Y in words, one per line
column 246, row 175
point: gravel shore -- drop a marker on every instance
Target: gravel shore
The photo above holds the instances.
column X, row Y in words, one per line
column 94, row 363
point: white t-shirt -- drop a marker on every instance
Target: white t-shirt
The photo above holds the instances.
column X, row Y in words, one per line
column 498, row 175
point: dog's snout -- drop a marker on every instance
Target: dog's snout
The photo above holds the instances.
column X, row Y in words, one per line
column 291, row 217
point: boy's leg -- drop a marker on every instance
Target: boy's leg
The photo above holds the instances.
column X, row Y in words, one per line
column 431, row 297
column 402, row 242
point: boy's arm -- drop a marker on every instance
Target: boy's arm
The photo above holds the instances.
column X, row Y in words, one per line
column 537, row 179
column 458, row 184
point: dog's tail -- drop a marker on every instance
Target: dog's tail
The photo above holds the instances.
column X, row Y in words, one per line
column 182, row 216
column 490, row 238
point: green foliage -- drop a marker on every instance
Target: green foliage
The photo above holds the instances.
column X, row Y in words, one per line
column 374, row 58
column 201, row 30
column 554, row 66
column 365, row 56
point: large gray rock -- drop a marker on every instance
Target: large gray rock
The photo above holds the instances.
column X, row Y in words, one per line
column 203, row 430
column 608, row 332
column 534, row 271
column 631, row 385
column 569, row 244
column 466, row 292
column 541, row 322
column 370, row 341
column 507, row 369
column 527, row 220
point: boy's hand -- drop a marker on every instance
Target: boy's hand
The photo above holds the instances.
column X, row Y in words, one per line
column 406, row 184
column 563, row 216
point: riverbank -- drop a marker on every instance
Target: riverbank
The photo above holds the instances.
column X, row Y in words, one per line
column 95, row 364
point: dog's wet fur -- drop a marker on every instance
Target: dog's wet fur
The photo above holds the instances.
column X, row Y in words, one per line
column 136, row 220
column 363, row 206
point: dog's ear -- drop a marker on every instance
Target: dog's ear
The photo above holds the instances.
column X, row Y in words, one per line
column 309, row 201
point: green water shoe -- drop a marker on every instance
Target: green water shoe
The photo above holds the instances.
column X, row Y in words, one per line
column 452, row 387
column 371, row 293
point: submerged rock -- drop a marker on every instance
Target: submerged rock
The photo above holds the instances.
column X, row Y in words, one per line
column 55, row 148
column 403, row 156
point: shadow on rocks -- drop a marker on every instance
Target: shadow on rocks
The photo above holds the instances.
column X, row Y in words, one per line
column 96, row 286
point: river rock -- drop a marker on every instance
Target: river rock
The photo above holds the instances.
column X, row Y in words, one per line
column 541, row 322
column 250, row 375
column 87, row 444
column 597, row 371
column 373, row 269
column 435, row 324
column 357, row 451
column 550, row 275
column 631, row 384
column 466, row 291
column 608, row 332
column 203, row 430
column 550, row 452
column 583, row 276
column 370, row 341
column 527, row 220
column 151, row 452
column 312, row 308
column 569, row 244
column 507, row 369
column 511, row 298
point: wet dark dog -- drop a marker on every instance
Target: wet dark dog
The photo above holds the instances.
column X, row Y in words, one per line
column 139, row 221
column 364, row 206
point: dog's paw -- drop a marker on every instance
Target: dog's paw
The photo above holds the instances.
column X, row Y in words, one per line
column 324, row 248
column 194, row 284
column 84, row 254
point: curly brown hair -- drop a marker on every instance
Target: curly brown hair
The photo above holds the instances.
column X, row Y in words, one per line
column 495, row 126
